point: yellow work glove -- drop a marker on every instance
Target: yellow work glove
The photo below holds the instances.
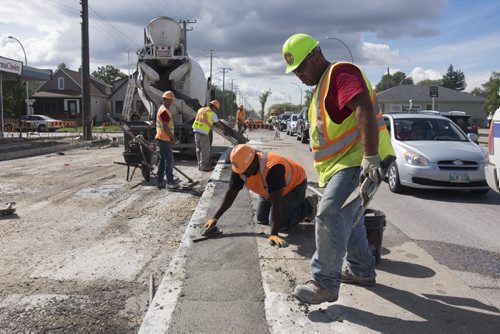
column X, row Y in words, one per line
column 210, row 224
column 275, row 240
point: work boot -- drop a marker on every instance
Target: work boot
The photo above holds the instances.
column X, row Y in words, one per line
column 161, row 185
column 313, row 293
column 349, row 278
column 172, row 185
column 206, row 169
column 313, row 201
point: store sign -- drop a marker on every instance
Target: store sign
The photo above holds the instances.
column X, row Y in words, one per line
column 395, row 108
column 433, row 91
column 11, row 66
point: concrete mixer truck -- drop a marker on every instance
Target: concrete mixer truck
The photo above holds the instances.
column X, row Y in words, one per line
column 164, row 64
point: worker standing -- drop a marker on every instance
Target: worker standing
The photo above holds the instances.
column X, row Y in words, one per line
column 165, row 138
column 240, row 119
column 281, row 185
column 348, row 138
column 202, row 125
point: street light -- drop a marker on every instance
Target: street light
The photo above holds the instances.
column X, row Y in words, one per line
column 25, row 64
column 293, row 83
column 352, row 59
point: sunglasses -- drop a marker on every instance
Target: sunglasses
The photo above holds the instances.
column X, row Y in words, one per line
column 302, row 65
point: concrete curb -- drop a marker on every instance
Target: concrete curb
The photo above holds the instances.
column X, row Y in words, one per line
column 50, row 149
column 159, row 314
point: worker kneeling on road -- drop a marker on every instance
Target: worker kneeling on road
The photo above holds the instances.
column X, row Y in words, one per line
column 202, row 125
column 281, row 185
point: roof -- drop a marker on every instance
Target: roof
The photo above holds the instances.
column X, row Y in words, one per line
column 421, row 93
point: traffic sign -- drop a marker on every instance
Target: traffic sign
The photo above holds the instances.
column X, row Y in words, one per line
column 433, row 91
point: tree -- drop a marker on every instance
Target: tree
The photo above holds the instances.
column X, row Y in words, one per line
column 391, row 80
column 263, row 100
column 430, row 82
column 61, row 66
column 454, row 79
column 492, row 91
column 478, row 92
column 108, row 74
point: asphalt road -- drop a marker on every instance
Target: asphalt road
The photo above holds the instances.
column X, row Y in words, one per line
column 458, row 228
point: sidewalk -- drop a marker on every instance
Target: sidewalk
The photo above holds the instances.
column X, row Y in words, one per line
column 238, row 283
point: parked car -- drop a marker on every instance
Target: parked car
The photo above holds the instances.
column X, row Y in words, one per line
column 303, row 126
column 283, row 118
column 433, row 153
column 492, row 168
column 463, row 120
column 40, row 123
column 291, row 125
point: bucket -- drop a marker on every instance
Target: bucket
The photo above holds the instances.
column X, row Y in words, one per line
column 375, row 226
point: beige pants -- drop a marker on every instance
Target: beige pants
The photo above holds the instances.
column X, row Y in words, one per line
column 202, row 150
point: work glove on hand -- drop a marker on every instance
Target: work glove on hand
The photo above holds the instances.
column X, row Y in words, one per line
column 370, row 167
column 275, row 240
column 210, row 224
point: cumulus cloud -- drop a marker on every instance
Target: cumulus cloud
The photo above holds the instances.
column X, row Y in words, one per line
column 419, row 74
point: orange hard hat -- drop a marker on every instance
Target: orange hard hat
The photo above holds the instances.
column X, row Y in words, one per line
column 241, row 158
column 168, row 95
column 216, row 104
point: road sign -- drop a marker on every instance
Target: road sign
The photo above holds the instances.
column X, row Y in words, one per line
column 433, row 91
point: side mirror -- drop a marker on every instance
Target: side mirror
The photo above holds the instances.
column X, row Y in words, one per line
column 474, row 137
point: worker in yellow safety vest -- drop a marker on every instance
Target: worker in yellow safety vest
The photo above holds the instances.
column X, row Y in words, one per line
column 348, row 138
column 202, row 125
column 281, row 185
column 165, row 138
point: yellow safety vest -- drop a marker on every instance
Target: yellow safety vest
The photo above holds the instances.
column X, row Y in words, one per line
column 294, row 174
column 161, row 134
column 338, row 146
column 203, row 121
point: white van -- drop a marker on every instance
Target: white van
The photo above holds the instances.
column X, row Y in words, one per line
column 492, row 167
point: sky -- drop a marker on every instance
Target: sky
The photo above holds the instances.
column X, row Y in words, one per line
column 420, row 38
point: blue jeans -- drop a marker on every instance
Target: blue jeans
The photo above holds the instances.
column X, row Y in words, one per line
column 166, row 163
column 336, row 233
column 295, row 207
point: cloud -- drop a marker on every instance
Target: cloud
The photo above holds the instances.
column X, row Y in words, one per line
column 418, row 74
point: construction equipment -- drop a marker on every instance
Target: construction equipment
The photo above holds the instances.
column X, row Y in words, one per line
column 367, row 189
column 162, row 65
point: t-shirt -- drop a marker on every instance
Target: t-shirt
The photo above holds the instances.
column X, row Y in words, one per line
column 165, row 117
column 346, row 83
column 275, row 179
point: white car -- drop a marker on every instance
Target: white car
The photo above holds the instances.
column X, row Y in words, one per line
column 432, row 152
column 291, row 125
column 42, row 123
column 492, row 168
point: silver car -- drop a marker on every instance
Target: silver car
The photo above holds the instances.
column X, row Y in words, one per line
column 433, row 153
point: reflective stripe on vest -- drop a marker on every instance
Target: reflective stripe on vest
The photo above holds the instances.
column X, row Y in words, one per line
column 338, row 146
column 161, row 134
column 203, row 122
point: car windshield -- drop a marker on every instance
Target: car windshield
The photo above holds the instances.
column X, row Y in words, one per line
column 294, row 117
column 285, row 117
column 427, row 129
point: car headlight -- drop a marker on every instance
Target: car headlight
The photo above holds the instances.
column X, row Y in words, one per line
column 415, row 159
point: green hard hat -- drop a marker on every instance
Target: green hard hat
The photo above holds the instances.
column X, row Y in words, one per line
column 296, row 48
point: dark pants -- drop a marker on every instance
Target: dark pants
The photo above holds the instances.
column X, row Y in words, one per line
column 166, row 163
column 295, row 207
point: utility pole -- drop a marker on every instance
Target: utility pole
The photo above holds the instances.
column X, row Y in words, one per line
column 387, row 81
column 184, row 32
column 224, row 71
column 211, row 60
column 86, row 111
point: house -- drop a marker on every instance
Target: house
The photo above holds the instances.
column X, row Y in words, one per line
column 404, row 98
column 61, row 97
column 117, row 99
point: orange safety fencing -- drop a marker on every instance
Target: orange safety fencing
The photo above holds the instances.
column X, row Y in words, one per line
column 254, row 124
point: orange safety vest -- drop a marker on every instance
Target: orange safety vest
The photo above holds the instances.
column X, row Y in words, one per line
column 294, row 174
column 161, row 134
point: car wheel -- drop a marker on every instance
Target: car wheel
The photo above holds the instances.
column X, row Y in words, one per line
column 298, row 137
column 303, row 138
column 479, row 191
column 42, row 128
column 393, row 179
